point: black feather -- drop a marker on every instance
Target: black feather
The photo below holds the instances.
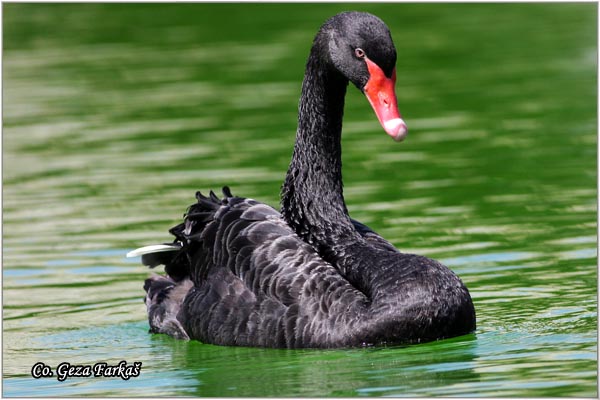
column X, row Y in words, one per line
column 227, row 192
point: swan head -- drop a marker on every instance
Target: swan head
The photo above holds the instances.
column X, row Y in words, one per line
column 361, row 48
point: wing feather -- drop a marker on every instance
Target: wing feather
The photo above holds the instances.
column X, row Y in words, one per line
column 250, row 274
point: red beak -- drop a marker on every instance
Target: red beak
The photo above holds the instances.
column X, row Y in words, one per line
column 381, row 94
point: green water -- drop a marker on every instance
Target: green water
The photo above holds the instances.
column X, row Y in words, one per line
column 114, row 115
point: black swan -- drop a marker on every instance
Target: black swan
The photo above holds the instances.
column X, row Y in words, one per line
column 240, row 273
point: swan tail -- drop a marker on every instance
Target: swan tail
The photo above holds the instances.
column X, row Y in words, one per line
column 175, row 256
column 164, row 298
column 190, row 233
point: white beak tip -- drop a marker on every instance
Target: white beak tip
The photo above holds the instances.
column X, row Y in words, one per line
column 396, row 128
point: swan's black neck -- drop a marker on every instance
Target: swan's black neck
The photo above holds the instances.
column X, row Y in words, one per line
column 312, row 196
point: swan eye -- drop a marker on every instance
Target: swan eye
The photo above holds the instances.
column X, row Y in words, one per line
column 359, row 53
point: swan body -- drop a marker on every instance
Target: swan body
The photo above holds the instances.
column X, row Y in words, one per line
column 241, row 273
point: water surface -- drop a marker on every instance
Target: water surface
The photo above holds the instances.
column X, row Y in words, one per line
column 114, row 115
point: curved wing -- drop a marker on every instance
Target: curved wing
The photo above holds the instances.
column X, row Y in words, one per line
column 255, row 282
column 372, row 237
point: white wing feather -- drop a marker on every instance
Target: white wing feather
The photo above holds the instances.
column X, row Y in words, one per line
column 155, row 248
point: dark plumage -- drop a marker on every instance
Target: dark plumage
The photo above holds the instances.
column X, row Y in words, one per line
column 240, row 273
